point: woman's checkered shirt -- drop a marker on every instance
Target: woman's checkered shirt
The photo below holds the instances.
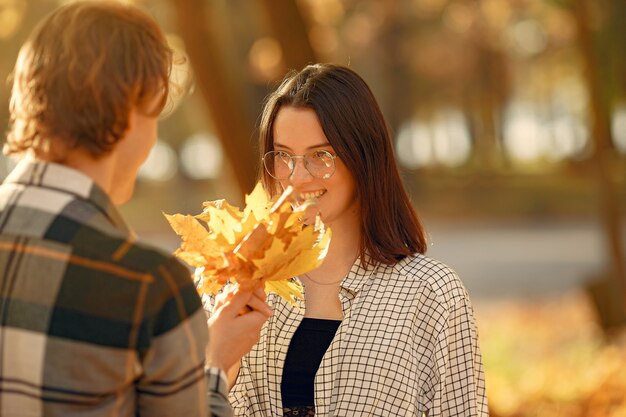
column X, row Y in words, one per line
column 407, row 345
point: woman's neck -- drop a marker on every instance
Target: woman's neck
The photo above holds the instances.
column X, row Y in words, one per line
column 342, row 252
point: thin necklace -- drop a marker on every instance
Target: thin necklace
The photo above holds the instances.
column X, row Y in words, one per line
column 322, row 283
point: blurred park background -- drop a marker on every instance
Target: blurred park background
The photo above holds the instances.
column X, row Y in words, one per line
column 509, row 123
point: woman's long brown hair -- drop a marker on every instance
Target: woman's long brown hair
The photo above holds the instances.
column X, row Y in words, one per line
column 355, row 127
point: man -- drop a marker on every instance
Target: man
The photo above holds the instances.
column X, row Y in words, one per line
column 93, row 323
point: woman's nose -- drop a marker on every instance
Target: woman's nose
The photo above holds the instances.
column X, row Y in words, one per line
column 299, row 173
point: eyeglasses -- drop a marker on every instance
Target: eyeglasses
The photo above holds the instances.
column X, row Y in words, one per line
column 280, row 164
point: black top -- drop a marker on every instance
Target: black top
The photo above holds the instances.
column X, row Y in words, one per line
column 307, row 347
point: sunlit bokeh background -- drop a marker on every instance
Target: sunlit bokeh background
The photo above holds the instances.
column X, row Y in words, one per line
column 509, row 122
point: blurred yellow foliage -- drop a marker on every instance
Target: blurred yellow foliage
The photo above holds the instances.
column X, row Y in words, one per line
column 550, row 359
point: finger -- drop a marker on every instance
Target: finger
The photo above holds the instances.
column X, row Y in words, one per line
column 252, row 321
column 259, row 292
column 237, row 302
column 256, row 304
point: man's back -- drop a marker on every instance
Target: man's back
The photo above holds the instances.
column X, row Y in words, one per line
column 91, row 323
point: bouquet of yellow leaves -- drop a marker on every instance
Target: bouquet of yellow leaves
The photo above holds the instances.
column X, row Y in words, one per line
column 267, row 242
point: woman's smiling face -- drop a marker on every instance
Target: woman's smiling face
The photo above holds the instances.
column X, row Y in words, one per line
column 298, row 131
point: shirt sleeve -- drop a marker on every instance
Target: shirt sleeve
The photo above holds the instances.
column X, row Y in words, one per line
column 461, row 382
column 173, row 380
column 218, row 393
column 221, row 404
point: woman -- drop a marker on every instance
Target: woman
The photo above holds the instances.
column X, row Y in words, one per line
column 383, row 330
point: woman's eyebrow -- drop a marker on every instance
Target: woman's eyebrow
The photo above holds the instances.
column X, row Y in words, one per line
column 321, row 145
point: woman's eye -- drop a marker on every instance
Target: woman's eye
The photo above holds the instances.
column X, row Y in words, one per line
column 326, row 156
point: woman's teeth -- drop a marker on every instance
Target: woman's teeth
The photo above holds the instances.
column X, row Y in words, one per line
column 310, row 196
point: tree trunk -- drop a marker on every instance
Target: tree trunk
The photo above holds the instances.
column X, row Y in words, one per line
column 601, row 136
column 223, row 95
column 288, row 26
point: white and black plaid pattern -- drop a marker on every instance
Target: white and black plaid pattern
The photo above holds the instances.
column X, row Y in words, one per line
column 407, row 346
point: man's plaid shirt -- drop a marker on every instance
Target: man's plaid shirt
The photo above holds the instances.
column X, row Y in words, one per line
column 93, row 323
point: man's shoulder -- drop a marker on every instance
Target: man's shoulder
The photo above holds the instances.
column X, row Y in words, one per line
column 127, row 252
column 70, row 225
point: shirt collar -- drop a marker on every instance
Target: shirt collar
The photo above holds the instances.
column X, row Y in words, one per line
column 67, row 180
column 358, row 275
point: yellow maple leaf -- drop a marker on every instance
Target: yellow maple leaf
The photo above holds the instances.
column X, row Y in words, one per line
column 221, row 216
column 267, row 243
column 198, row 246
column 257, row 203
column 288, row 290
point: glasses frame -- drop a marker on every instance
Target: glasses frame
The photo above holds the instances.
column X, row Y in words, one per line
column 303, row 157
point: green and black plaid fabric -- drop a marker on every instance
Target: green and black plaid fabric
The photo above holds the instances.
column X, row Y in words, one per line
column 93, row 323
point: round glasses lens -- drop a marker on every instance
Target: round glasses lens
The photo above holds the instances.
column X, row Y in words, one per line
column 321, row 164
column 278, row 164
